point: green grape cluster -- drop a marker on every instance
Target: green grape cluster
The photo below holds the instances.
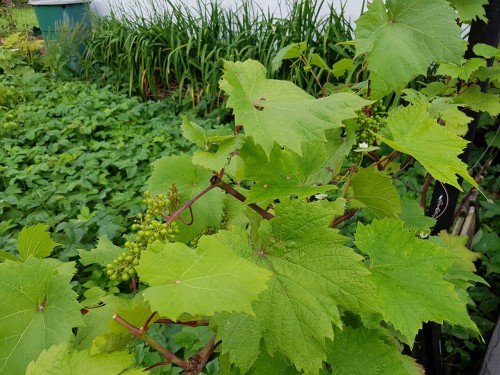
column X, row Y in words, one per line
column 148, row 228
column 369, row 120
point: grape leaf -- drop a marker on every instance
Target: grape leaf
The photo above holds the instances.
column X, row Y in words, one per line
column 200, row 282
column 313, row 274
column 409, row 275
column 284, row 173
column 413, row 216
column 241, row 335
column 275, row 365
column 341, row 67
column 463, row 71
column 362, row 351
column 485, row 50
column 415, row 133
column 4, row 255
column 35, row 241
column 461, row 273
column 104, row 253
column 454, row 119
column 62, row 360
column 99, row 321
column 292, row 51
column 38, row 309
column 375, row 191
column 479, row 101
column 468, row 10
column 278, row 111
column 190, row 180
column 215, row 161
column 404, row 39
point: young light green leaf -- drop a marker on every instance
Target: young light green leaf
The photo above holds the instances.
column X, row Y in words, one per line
column 410, row 278
column 415, row 133
column 278, row 111
column 463, row 71
column 454, row 119
column 468, row 10
column 104, row 253
column 464, row 267
column 362, row 351
column 313, row 274
column 190, row 180
column 35, row 241
column 62, row 360
column 342, row 66
column 292, row 51
column 284, row 173
column 210, row 279
column 414, row 218
column 241, row 335
column 485, row 50
column 203, row 137
column 215, row 161
column 404, row 39
column 375, row 191
column 317, row 60
column 479, row 101
column 38, row 309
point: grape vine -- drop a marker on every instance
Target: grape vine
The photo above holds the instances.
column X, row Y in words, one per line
column 273, row 249
column 148, row 228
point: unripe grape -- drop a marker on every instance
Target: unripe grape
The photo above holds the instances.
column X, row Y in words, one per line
column 125, row 277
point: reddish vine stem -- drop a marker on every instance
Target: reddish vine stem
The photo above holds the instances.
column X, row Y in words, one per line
column 229, row 189
column 142, row 334
column 423, row 194
column 215, row 181
column 189, row 203
column 192, row 323
column 340, row 219
column 199, row 360
column 393, row 155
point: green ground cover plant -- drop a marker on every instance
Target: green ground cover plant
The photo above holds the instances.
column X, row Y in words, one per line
column 181, row 51
column 293, row 241
column 75, row 156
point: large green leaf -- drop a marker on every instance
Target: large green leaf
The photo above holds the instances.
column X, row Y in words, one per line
column 402, row 40
column 62, row 360
column 375, row 191
column 284, row 173
column 313, row 274
column 362, row 351
column 35, row 241
column 104, row 253
column 210, row 279
column 479, row 101
column 410, row 278
column 415, row 133
column 241, row 335
column 99, row 321
column 190, row 180
column 38, row 309
column 278, row 111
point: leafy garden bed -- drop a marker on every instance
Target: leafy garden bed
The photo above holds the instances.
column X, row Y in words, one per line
column 76, row 157
column 293, row 242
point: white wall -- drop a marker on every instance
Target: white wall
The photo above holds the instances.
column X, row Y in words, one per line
column 103, row 7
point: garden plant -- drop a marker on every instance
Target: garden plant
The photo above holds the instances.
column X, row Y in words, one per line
column 293, row 240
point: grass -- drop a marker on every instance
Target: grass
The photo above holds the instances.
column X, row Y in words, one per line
column 24, row 18
column 183, row 51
